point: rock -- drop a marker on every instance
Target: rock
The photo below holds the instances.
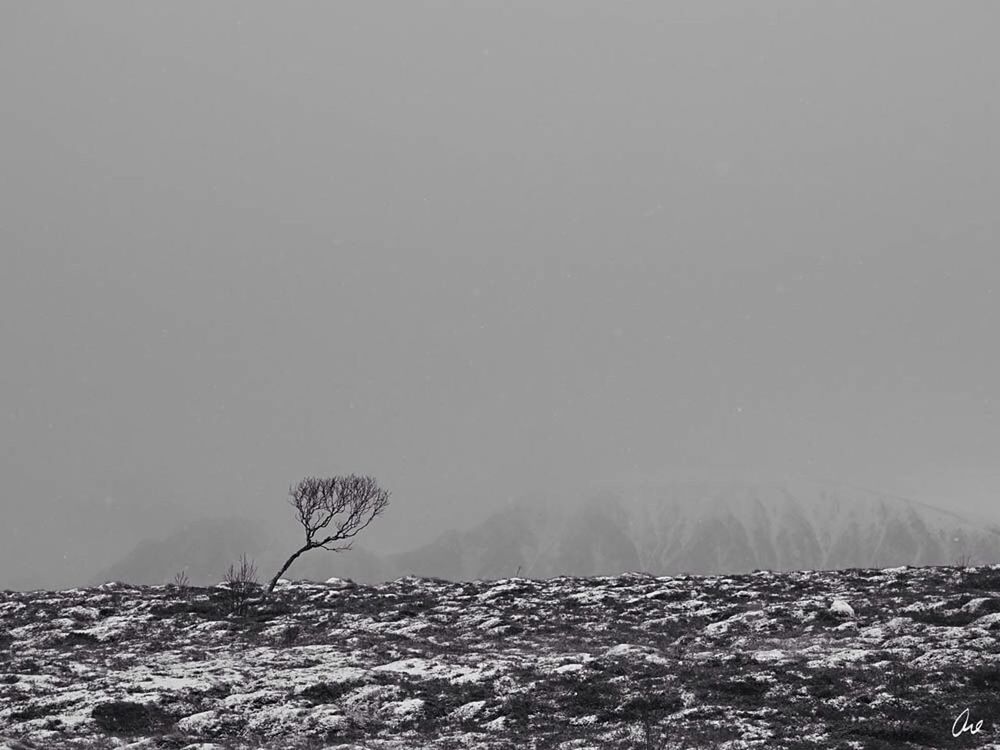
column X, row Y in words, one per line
column 974, row 604
column 468, row 710
column 989, row 622
column 840, row 608
column 199, row 723
column 6, row 744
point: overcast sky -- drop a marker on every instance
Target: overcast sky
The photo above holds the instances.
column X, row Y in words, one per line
column 481, row 250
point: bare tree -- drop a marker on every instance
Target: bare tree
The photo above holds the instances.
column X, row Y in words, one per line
column 354, row 501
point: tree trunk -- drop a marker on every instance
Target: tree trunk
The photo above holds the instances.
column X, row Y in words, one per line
column 286, row 566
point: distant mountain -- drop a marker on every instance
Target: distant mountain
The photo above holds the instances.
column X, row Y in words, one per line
column 701, row 528
column 92, row 532
column 205, row 549
column 707, row 528
column 786, row 526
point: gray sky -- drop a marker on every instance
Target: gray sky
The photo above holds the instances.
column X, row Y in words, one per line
column 487, row 249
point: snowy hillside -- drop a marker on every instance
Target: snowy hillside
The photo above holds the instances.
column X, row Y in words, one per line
column 852, row 659
column 705, row 528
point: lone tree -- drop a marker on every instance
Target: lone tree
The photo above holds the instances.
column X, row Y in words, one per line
column 332, row 511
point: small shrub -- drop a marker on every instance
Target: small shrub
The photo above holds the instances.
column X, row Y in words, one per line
column 270, row 609
column 670, row 596
column 518, row 708
column 181, row 580
column 33, row 712
column 985, row 677
column 827, row 683
column 126, row 717
column 78, row 638
column 826, row 617
column 216, row 607
column 28, row 666
column 649, row 711
column 241, row 584
column 953, row 618
column 327, row 692
column 290, row 635
column 441, row 696
column 591, row 697
column 898, row 732
column 980, row 580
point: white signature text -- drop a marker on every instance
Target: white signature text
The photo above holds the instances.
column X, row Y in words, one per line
column 957, row 731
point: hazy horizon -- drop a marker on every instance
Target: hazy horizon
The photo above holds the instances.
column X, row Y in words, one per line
column 487, row 252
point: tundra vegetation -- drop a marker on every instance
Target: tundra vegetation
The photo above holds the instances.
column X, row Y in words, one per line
column 859, row 658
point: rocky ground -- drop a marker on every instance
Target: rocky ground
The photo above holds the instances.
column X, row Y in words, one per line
column 847, row 659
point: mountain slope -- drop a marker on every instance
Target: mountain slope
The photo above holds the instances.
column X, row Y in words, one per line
column 707, row 528
column 203, row 549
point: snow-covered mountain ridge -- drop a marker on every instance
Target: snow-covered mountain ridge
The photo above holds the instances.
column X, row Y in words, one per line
column 699, row 528
column 706, row 528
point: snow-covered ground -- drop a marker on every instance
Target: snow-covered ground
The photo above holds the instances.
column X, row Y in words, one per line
column 848, row 659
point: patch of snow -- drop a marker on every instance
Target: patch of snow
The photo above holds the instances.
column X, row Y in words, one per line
column 633, row 651
column 366, row 702
column 592, row 596
column 840, row 657
column 276, row 720
column 497, row 725
column 406, row 707
column 899, row 624
column 770, row 655
column 82, row 613
column 428, row 668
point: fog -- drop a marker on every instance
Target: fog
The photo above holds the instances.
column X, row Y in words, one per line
column 485, row 251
